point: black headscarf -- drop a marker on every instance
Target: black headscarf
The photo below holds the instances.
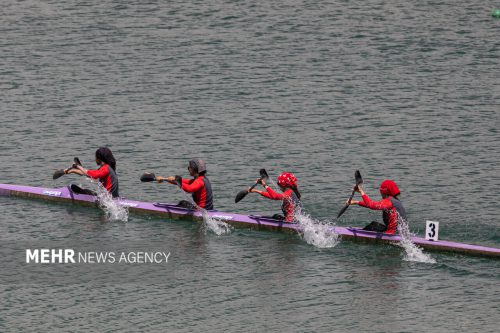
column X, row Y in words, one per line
column 198, row 166
column 105, row 155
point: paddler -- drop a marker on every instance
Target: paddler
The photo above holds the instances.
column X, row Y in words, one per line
column 106, row 173
column 393, row 210
column 199, row 186
column 290, row 197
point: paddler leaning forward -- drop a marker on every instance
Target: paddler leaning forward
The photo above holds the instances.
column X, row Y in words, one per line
column 290, row 197
column 199, row 186
column 106, row 173
column 392, row 207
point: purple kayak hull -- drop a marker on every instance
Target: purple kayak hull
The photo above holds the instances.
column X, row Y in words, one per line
column 171, row 211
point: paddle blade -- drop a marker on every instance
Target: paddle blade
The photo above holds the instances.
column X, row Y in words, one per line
column 58, row 174
column 77, row 161
column 263, row 174
column 148, row 177
column 78, row 190
column 342, row 210
column 240, row 195
column 357, row 176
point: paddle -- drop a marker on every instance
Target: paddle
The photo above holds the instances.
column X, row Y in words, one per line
column 359, row 181
column 77, row 161
column 78, row 190
column 59, row 173
column 243, row 193
column 150, row 177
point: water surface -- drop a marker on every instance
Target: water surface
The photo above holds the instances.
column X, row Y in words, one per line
column 407, row 91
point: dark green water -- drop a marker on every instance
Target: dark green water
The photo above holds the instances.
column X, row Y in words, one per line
column 407, row 91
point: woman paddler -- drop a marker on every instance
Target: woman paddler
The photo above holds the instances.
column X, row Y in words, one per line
column 290, row 197
column 393, row 210
column 199, row 186
column 106, row 173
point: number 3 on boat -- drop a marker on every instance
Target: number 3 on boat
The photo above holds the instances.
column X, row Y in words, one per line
column 431, row 230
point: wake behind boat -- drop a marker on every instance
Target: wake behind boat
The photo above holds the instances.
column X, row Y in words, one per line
column 174, row 212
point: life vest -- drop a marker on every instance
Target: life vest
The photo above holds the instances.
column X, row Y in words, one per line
column 291, row 205
column 393, row 215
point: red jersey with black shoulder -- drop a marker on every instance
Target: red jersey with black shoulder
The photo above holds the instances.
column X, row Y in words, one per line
column 108, row 178
column 392, row 208
column 202, row 191
column 291, row 203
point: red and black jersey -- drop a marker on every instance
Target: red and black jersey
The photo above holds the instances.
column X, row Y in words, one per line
column 202, row 191
column 108, row 178
column 290, row 204
column 392, row 208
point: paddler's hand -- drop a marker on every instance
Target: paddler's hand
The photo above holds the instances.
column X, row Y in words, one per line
column 261, row 182
column 82, row 169
column 159, row 179
column 359, row 189
column 353, row 202
column 78, row 170
column 170, row 179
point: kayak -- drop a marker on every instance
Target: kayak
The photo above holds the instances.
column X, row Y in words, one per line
column 258, row 222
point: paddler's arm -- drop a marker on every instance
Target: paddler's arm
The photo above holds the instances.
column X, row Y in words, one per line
column 263, row 193
column 253, row 190
column 102, row 172
column 169, row 179
column 192, row 186
column 75, row 171
column 360, row 190
column 173, row 180
column 369, row 203
column 269, row 193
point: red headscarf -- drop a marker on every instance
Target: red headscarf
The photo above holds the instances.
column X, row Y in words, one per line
column 287, row 179
column 389, row 187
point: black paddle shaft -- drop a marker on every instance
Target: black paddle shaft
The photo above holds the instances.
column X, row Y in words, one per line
column 243, row 193
column 359, row 181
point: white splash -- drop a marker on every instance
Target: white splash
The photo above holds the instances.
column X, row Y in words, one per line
column 316, row 233
column 413, row 252
column 112, row 208
column 216, row 226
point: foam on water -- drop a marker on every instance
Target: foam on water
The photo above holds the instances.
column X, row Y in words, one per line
column 216, row 226
column 412, row 251
column 315, row 232
column 113, row 210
